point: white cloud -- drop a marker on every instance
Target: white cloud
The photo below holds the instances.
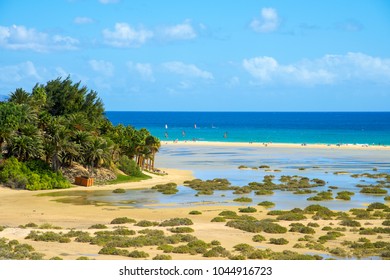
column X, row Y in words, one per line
column 189, row 70
column 83, row 20
column 103, row 67
column 269, row 21
column 145, row 70
column 19, row 72
column 18, row 37
column 183, row 31
column 233, row 82
column 124, row 36
column 330, row 69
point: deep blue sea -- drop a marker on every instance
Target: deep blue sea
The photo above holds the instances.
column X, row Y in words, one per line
column 278, row 127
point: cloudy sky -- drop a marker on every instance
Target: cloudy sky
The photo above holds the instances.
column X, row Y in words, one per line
column 252, row 55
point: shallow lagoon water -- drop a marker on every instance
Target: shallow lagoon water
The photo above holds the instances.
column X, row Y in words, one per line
column 222, row 162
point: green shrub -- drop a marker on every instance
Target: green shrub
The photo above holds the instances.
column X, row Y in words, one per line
column 218, row 220
column 264, row 192
column 278, row 241
column 120, row 190
column 176, row 222
column 113, row 251
column 377, row 205
column 166, row 248
column 169, row 188
column 266, row 204
column 258, row 238
column 215, row 243
column 264, row 166
column 98, row 226
column 321, row 196
column 122, row 220
column 195, row 212
column 162, row 257
column 301, row 228
column 386, row 223
column 138, row 254
column 311, row 224
column 181, row 230
column 145, row 223
column 247, row 210
column 243, row 199
column 228, row 214
column 48, row 236
column 373, row 190
column 30, row 175
column 129, row 166
column 291, row 217
column 350, row 223
column 344, row 195
column 387, row 198
column 56, row 258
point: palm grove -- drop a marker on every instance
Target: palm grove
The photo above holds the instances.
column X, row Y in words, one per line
column 60, row 124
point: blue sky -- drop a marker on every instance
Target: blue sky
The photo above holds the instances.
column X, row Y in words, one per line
column 263, row 55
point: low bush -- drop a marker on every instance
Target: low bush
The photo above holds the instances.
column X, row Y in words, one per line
column 122, row 220
column 181, row 230
column 228, row 214
column 169, row 188
column 176, row 222
column 247, row 210
column 218, row 220
column 48, row 236
column 243, row 199
column 278, row 241
column 119, row 190
column 373, row 190
column 291, row 217
column 321, row 196
column 377, row 205
column 264, row 192
column 258, row 238
column 350, row 223
column 386, row 223
column 138, row 254
column 195, row 212
column 266, row 204
column 311, row 224
column 344, row 195
column 129, row 166
column 298, row 227
column 98, row 226
column 162, row 257
column 145, row 223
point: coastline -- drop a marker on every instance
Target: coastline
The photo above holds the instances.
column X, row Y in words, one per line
column 276, row 145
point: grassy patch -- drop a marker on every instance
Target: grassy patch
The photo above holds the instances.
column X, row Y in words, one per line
column 126, row 179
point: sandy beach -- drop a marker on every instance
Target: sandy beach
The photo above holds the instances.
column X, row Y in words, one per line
column 19, row 207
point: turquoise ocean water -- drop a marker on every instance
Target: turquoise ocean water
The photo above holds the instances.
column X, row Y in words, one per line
column 324, row 127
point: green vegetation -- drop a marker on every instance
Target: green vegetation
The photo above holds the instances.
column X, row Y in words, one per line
column 373, row 190
column 243, row 199
column 195, row 212
column 45, row 132
column 162, row 257
column 169, row 188
column 344, row 195
column 145, row 223
column 266, row 204
column 13, row 250
column 181, row 230
column 256, row 226
column 258, row 238
column 209, row 186
column 98, row 226
column 322, row 196
column 48, row 236
column 301, row 228
column 120, row 190
column 176, row 222
column 218, row 220
column 350, row 223
column 123, row 220
column 264, row 192
column 247, row 210
column 278, row 241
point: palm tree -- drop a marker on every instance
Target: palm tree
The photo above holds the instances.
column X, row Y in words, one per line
column 19, row 96
column 24, row 147
column 97, row 152
column 153, row 145
column 57, row 141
